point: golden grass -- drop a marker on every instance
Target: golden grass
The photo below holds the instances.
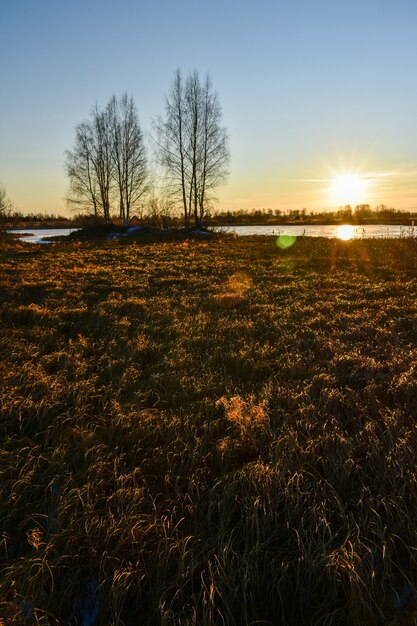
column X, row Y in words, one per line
column 204, row 433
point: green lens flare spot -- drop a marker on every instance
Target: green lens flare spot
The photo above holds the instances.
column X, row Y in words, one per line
column 285, row 241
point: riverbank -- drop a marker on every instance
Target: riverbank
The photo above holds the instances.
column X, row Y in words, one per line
column 205, row 432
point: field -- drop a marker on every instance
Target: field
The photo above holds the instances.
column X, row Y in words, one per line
column 198, row 433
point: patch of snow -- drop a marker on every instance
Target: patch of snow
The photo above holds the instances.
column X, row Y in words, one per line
column 200, row 233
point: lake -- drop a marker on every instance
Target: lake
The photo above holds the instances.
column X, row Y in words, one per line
column 336, row 230
column 36, row 235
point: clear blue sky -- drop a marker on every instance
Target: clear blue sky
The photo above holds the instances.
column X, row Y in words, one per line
column 309, row 90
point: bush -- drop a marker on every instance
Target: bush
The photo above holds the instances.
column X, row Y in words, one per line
column 5, row 212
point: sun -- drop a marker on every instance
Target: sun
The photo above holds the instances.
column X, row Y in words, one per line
column 348, row 188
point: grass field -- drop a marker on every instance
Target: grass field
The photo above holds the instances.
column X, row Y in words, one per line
column 200, row 433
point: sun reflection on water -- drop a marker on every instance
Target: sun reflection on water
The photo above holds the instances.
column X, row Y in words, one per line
column 345, row 232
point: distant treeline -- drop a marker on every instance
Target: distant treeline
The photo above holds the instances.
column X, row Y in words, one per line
column 160, row 215
column 50, row 220
column 17, row 219
column 360, row 214
column 39, row 217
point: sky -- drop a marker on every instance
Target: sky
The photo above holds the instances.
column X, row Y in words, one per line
column 319, row 98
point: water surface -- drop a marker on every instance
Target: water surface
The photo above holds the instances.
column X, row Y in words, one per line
column 334, row 230
column 36, row 235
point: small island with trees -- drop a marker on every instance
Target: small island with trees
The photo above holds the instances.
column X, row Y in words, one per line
column 107, row 166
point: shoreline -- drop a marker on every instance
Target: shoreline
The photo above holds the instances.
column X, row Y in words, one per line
column 405, row 223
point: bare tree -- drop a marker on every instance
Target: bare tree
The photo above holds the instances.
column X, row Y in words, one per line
column 129, row 155
column 172, row 134
column 214, row 152
column 79, row 165
column 108, row 160
column 89, row 166
column 102, row 150
column 192, row 144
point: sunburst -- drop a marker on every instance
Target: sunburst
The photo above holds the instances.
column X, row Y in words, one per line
column 349, row 188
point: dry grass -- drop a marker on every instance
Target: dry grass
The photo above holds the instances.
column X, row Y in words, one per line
column 209, row 433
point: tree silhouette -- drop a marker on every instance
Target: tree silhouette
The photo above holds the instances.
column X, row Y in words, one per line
column 108, row 161
column 192, row 144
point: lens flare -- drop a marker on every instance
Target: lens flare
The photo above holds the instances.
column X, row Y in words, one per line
column 285, row 241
